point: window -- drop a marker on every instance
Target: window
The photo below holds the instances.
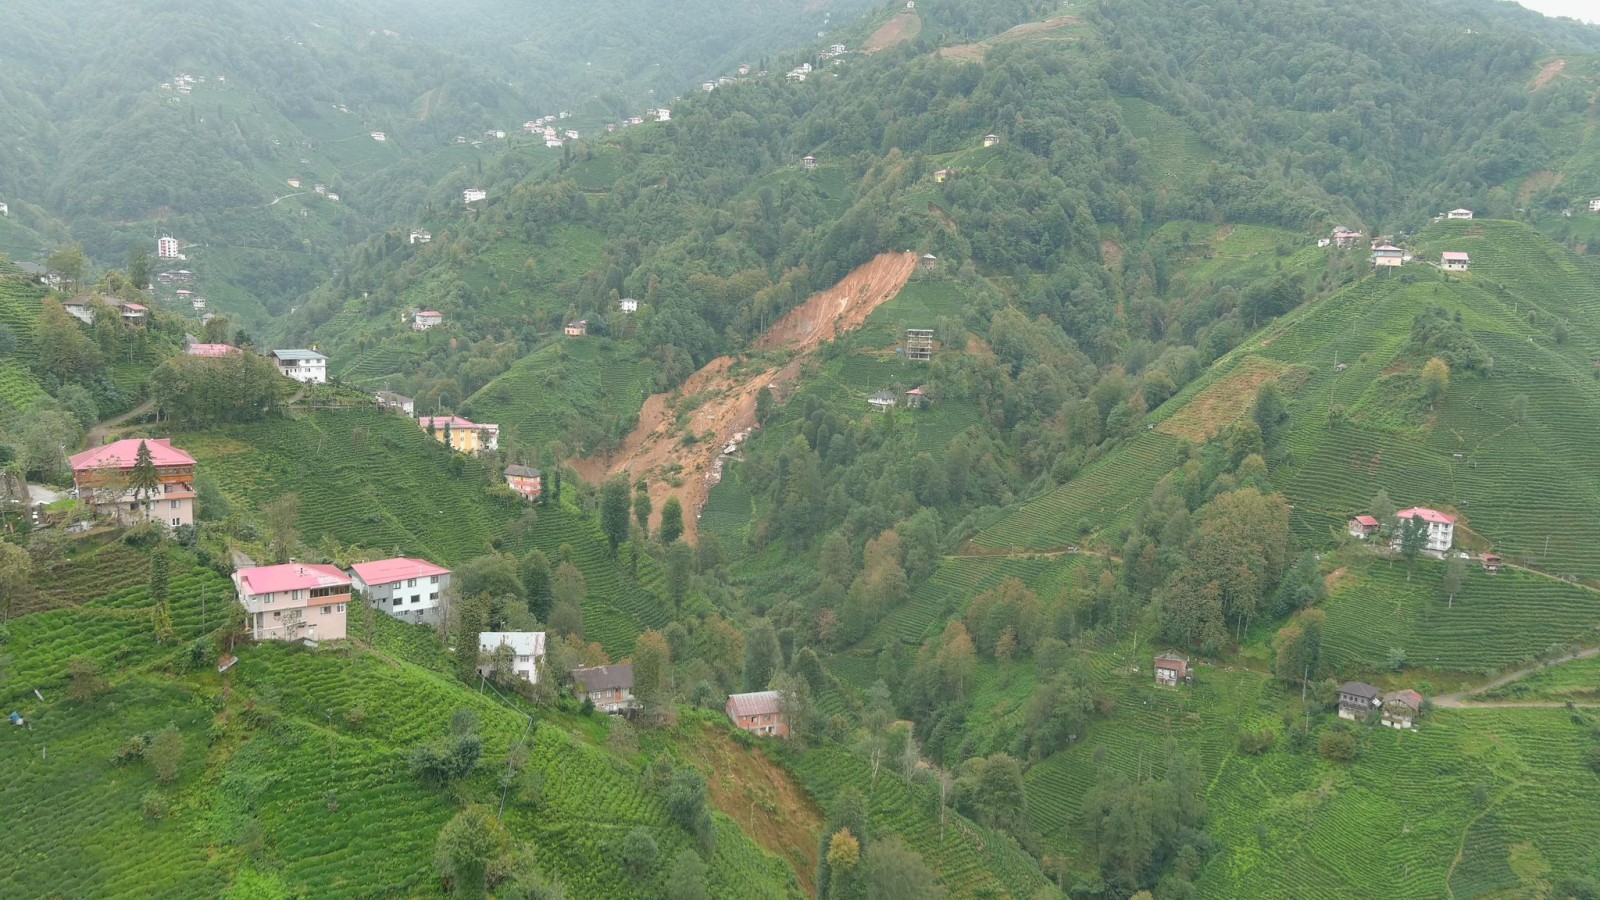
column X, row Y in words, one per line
column 411, row 582
column 341, row 607
column 277, row 614
column 177, row 504
column 417, row 599
column 326, row 610
column 434, row 596
column 176, row 522
column 433, row 580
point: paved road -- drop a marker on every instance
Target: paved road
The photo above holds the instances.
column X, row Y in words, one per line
column 1460, row 699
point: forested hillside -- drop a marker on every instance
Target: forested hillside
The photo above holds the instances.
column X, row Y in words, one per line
column 106, row 157
column 968, row 369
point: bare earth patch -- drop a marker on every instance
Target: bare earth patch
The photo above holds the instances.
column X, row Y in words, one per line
column 899, row 29
column 1019, row 32
column 1221, row 404
column 766, row 801
column 658, row 449
column 1550, row 71
column 1111, row 251
column 1332, row 578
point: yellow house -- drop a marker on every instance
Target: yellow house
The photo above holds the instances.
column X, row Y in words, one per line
column 461, row 435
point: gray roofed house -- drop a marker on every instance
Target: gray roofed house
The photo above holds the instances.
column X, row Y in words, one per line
column 883, row 400
column 610, row 688
column 1357, row 700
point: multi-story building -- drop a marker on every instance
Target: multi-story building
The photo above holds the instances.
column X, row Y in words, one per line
column 105, row 479
column 759, row 713
column 293, row 601
column 407, row 589
column 167, row 248
column 609, row 688
column 525, row 480
column 527, row 648
column 1440, row 528
column 307, row 366
column 461, row 435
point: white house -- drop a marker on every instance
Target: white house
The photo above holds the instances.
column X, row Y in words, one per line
column 397, row 402
column 167, row 248
column 5, row 210
column 663, row 115
column 419, row 236
column 628, row 305
column 1594, row 205
column 527, row 648
column 1441, row 527
column 81, row 308
column 809, row 162
column 306, row 366
column 991, row 140
column 379, row 136
column 708, row 86
column 1458, row 214
column 473, row 195
column 425, row 319
column 407, row 589
column 1454, row 262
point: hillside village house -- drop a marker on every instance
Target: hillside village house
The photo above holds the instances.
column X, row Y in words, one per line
column 524, row 480
column 809, row 162
column 419, row 236
column 1357, row 700
column 527, row 648
column 609, row 688
column 1172, row 669
column 198, row 303
column 1364, row 527
column 210, row 350
column 82, row 308
column 461, row 435
column 396, row 402
column 133, row 313
column 379, row 136
column 407, row 589
column 1459, row 214
column 293, row 601
column 915, row 398
column 1454, row 262
column 1388, row 256
column 708, row 86
column 1401, row 708
column 5, row 210
column 167, row 248
column 1344, row 238
column 102, row 477
column 744, row 69
column 425, row 319
column 294, row 182
column 628, row 305
column 1441, row 527
column 306, row 366
column 1491, row 563
column 473, row 195
column 759, row 713
column 883, row 401
column 942, row 176
column 928, row 263
column 990, row 140
column 576, row 329
column 1594, row 205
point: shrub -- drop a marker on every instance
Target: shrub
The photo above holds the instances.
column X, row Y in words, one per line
column 165, row 754
column 638, row 852
column 153, row 804
column 1256, row 743
column 1338, row 746
column 446, row 759
column 132, row 750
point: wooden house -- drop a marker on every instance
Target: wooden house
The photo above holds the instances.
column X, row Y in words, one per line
column 1364, row 527
column 760, row 712
column 1357, row 700
column 1491, row 563
column 1172, row 669
column 883, row 401
column 1401, row 708
column 609, row 688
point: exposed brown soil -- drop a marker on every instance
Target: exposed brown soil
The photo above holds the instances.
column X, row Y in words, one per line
column 1332, row 578
column 766, row 801
column 1026, row 29
column 899, row 29
column 1221, row 404
column 726, row 389
column 1548, row 73
column 1111, row 251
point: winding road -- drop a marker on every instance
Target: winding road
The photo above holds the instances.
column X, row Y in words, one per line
column 97, row 434
column 1462, row 699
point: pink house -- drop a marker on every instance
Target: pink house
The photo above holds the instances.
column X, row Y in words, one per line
column 104, row 474
column 1364, row 527
column 294, row 601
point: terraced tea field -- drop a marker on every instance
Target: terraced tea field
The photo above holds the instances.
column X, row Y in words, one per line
column 1496, row 621
column 567, row 391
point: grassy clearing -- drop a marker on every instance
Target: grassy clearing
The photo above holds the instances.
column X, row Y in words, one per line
column 577, row 391
column 1224, row 402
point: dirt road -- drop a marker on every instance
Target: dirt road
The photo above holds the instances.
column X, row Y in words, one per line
column 725, row 389
column 97, row 435
column 1462, row 699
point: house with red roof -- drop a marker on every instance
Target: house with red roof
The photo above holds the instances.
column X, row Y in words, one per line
column 760, row 712
column 104, row 479
column 293, row 601
column 1441, row 527
column 1364, row 527
column 1401, row 709
column 1172, row 669
column 426, row 319
column 462, row 435
column 133, row 313
column 1388, row 256
column 1454, row 262
column 410, row 590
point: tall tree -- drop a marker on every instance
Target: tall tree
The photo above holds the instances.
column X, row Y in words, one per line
column 614, row 511
column 641, row 508
column 894, row 871
column 671, row 521
column 680, row 566
column 762, row 655
column 1455, row 576
column 467, row 844
column 15, row 567
column 1435, row 380
column 139, row 268
column 652, row 668
column 143, row 478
